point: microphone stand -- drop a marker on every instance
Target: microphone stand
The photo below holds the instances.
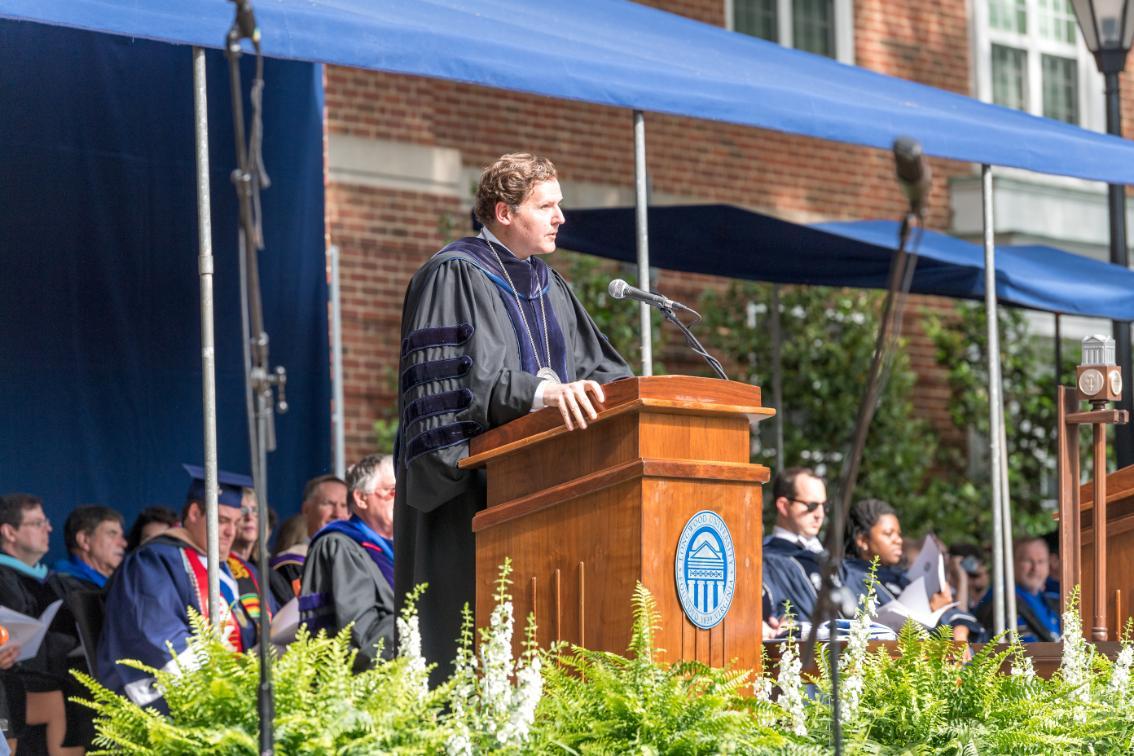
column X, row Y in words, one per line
column 248, row 178
column 690, row 339
column 833, row 596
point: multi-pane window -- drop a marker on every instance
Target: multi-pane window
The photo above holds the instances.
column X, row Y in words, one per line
column 758, row 18
column 1060, row 88
column 1034, row 57
column 1010, row 77
column 803, row 24
column 813, row 26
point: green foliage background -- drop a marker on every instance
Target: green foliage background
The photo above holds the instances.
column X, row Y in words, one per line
column 828, row 340
column 1030, row 415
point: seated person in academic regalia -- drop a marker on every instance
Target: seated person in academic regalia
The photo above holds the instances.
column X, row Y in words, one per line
column 24, row 587
column 150, row 522
column 1037, row 608
column 968, row 574
column 324, row 500
column 148, row 597
column 793, row 557
column 241, row 560
column 95, row 545
column 874, row 533
column 348, row 576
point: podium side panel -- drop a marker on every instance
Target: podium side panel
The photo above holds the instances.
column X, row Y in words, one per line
column 667, row 504
column 1120, row 568
column 594, row 543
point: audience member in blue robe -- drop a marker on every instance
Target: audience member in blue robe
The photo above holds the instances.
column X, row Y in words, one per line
column 1037, row 609
column 149, row 595
column 793, row 557
column 95, row 546
column 348, row 575
column 874, row 532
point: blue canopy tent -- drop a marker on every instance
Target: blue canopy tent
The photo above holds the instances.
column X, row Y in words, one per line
column 725, row 240
column 612, row 52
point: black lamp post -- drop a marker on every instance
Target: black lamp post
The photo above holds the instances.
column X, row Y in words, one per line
column 1108, row 29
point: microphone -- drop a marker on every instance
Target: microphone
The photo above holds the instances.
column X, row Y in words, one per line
column 913, row 173
column 619, row 289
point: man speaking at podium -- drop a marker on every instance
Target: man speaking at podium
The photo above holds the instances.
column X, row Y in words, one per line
column 489, row 333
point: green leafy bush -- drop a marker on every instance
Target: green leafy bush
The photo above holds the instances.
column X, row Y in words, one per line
column 926, row 696
column 597, row 702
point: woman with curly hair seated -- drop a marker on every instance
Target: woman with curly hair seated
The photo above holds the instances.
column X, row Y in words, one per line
column 875, row 533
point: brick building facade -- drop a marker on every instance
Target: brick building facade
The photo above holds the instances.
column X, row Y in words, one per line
column 403, row 154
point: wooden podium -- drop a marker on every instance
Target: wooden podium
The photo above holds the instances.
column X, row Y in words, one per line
column 585, row 514
column 1119, row 574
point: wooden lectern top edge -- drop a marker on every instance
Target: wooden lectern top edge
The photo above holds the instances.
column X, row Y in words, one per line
column 677, row 394
column 737, row 472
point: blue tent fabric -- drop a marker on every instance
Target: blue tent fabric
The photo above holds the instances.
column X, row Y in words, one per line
column 729, row 241
column 100, row 396
column 619, row 53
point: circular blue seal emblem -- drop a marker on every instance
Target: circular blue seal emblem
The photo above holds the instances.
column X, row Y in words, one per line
column 705, row 569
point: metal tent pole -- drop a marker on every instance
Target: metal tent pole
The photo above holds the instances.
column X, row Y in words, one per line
column 338, row 419
column 208, row 351
column 777, row 375
column 1006, row 518
column 641, row 206
column 994, row 403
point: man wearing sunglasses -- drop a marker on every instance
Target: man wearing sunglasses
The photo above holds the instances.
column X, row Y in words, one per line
column 793, row 554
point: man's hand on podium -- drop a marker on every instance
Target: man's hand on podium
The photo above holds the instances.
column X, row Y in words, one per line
column 573, row 402
column 771, row 628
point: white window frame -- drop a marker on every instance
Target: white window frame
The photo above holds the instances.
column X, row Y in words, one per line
column 844, row 26
column 1090, row 84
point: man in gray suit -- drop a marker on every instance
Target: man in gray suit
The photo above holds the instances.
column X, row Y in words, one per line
column 348, row 576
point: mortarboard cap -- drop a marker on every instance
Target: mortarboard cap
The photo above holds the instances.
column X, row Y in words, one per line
column 232, row 486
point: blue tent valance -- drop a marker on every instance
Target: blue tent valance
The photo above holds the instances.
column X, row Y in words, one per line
column 618, row 53
column 729, row 241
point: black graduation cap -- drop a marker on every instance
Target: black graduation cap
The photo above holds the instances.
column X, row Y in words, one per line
column 232, row 486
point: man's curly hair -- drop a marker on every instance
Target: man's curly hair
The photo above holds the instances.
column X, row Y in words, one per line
column 510, row 180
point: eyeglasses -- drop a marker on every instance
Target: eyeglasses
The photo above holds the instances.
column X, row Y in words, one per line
column 38, row 524
column 810, row 506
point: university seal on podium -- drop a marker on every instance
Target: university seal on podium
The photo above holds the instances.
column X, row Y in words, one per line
column 705, row 569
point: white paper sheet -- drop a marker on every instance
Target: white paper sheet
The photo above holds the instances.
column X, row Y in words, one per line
column 930, row 564
column 914, row 602
column 285, row 623
column 28, row 631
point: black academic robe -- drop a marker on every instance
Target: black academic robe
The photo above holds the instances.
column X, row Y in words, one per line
column 50, row 668
column 461, row 374
column 352, row 591
column 791, row 577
